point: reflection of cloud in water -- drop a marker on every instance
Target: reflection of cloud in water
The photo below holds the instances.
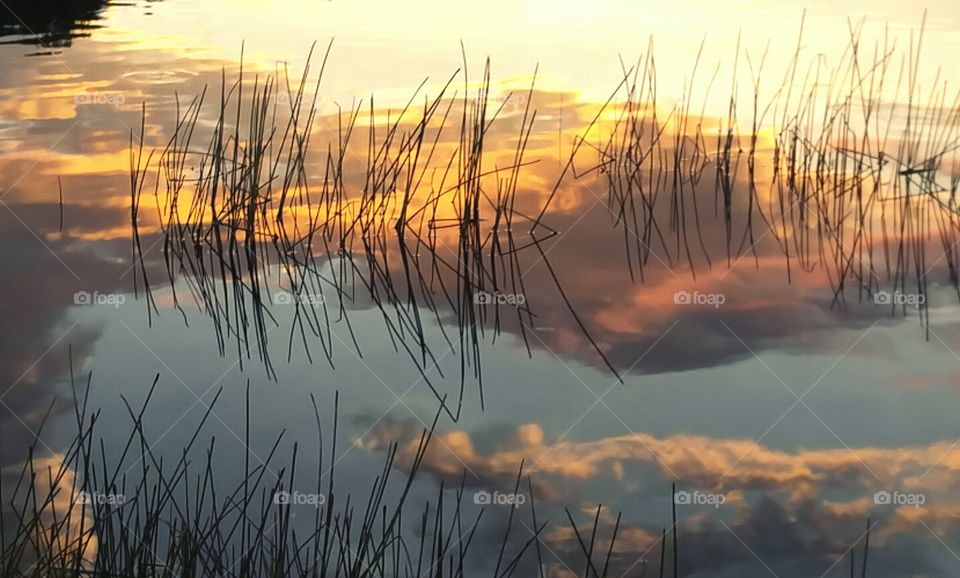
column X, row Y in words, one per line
column 34, row 301
column 590, row 255
column 799, row 511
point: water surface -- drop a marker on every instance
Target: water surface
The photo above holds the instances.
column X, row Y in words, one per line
column 744, row 374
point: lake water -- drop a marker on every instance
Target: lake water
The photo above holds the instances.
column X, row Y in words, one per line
column 796, row 376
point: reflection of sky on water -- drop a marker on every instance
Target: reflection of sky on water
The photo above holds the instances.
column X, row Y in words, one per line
column 894, row 415
column 705, row 382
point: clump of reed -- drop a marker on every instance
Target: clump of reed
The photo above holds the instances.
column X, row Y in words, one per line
column 414, row 220
column 188, row 517
column 859, row 179
column 248, row 212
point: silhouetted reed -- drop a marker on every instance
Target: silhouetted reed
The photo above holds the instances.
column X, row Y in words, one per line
column 857, row 178
column 246, row 214
column 413, row 221
column 186, row 517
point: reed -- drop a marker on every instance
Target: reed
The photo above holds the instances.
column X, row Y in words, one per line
column 246, row 213
column 861, row 171
column 413, row 219
column 186, row 517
